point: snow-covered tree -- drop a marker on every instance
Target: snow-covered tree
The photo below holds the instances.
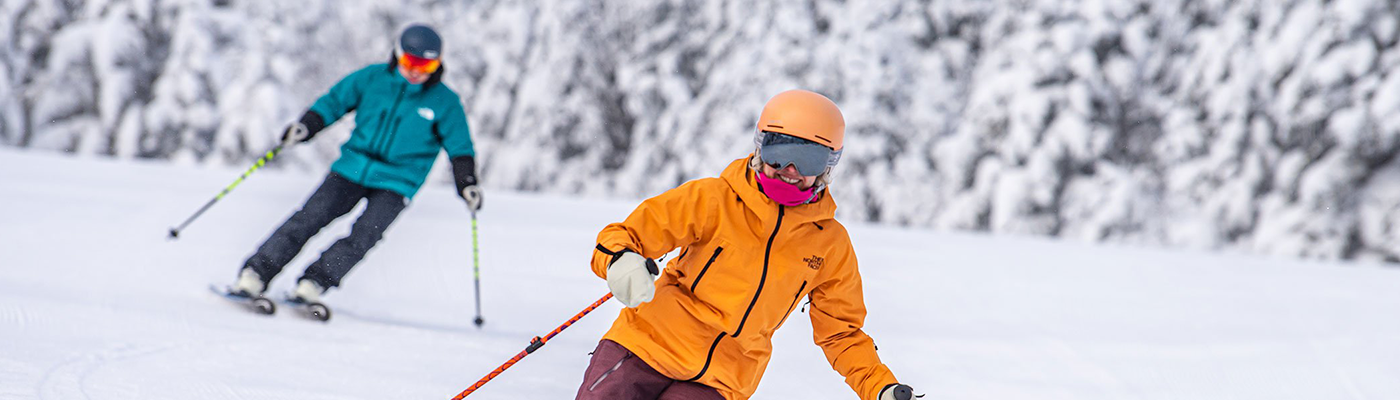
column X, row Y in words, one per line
column 1263, row 126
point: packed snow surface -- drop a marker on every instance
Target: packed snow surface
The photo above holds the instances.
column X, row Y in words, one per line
column 96, row 303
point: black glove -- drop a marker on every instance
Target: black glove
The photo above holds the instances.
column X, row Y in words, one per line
column 304, row 129
column 464, row 173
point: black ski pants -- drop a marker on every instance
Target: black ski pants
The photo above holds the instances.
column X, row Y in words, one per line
column 336, row 197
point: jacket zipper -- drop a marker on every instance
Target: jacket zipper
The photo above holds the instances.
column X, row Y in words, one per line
column 389, row 139
column 795, row 297
column 709, row 357
column 696, row 282
column 767, row 253
column 384, row 136
column 379, row 130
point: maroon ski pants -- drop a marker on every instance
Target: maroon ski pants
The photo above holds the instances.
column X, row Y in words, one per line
column 617, row 374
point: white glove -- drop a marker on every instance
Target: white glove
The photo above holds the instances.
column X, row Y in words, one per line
column 898, row 392
column 295, row 133
column 632, row 279
column 472, row 194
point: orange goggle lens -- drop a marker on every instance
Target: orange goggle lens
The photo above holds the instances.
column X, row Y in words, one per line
column 418, row 64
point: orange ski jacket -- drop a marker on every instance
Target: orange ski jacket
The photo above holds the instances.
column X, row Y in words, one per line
column 744, row 265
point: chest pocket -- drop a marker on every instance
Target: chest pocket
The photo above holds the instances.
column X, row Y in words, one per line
column 795, row 281
column 374, row 116
column 724, row 275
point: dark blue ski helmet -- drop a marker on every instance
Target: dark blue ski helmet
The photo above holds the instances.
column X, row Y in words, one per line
column 420, row 41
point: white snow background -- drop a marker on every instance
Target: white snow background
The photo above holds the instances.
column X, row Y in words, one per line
column 96, row 303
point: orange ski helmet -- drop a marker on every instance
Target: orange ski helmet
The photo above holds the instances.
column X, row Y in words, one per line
column 801, row 128
column 804, row 114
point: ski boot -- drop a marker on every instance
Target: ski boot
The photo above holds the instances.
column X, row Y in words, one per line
column 248, row 290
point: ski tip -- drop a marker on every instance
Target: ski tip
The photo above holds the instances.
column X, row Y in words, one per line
column 319, row 311
column 264, row 306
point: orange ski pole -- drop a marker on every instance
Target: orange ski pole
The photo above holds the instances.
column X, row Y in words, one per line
column 535, row 344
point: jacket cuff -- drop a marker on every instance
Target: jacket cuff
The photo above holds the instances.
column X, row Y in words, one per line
column 614, row 255
column 313, row 123
column 464, row 172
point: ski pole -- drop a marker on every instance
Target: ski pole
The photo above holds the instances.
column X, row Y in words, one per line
column 476, row 272
column 535, row 344
column 175, row 232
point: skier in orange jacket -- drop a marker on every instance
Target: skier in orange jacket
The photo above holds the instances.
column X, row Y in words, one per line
column 754, row 242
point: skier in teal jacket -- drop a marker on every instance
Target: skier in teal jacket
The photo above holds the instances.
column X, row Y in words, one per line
column 403, row 116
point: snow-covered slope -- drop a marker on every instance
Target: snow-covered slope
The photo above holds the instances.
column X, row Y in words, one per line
column 95, row 303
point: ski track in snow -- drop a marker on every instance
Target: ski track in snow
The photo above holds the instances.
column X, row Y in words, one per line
column 16, row 371
column 69, row 377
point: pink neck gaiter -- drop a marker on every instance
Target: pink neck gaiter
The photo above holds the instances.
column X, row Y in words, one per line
column 782, row 192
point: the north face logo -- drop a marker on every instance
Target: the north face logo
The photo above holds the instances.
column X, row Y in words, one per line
column 813, row 262
column 426, row 113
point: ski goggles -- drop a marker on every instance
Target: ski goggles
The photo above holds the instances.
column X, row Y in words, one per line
column 418, row 64
column 780, row 150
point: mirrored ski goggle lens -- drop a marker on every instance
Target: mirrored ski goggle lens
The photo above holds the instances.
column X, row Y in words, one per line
column 418, row 64
column 779, row 151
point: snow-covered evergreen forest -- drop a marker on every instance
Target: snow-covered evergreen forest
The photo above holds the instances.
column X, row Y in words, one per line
column 1264, row 126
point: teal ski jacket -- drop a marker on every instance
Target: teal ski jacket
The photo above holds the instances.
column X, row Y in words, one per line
column 399, row 127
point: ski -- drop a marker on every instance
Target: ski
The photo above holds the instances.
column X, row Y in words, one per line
column 315, row 311
column 254, row 303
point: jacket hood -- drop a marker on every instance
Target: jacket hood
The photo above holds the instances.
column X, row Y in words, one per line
column 741, row 179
